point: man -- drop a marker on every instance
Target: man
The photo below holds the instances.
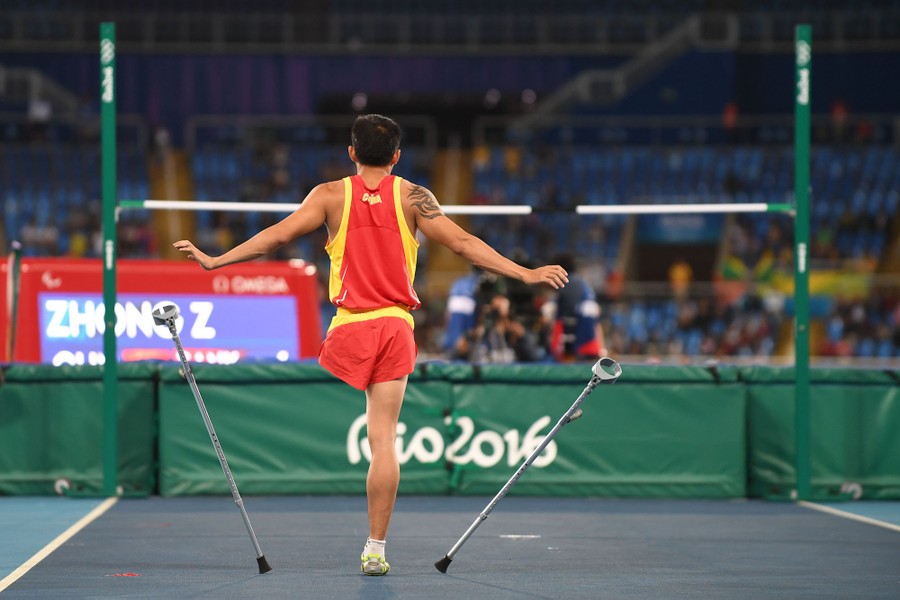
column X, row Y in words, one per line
column 372, row 220
column 461, row 317
column 577, row 334
column 494, row 332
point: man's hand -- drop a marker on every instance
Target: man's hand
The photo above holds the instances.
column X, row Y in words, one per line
column 553, row 275
column 186, row 246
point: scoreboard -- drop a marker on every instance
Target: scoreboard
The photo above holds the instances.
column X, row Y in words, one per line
column 250, row 311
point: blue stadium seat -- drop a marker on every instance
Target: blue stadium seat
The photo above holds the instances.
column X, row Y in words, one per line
column 865, row 348
column 885, row 349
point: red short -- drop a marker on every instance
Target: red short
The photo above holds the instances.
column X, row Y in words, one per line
column 371, row 351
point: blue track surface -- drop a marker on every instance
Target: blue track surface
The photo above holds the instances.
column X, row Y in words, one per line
column 528, row 548
column 29, row 524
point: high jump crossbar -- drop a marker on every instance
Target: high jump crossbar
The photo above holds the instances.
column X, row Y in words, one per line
column 477, row 209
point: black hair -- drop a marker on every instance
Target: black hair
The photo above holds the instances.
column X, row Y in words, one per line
column 375, row 139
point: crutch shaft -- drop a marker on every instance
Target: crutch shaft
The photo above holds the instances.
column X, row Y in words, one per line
column 459, row 543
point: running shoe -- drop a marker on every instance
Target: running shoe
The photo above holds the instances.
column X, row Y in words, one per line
column 374, row 564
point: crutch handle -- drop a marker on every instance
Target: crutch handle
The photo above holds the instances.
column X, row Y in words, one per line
column 606, row 370
column 165, row 315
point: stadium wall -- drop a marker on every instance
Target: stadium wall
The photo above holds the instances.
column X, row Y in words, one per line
column 661, row 431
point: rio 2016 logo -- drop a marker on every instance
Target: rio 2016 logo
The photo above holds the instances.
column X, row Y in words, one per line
column 804, row 54
column 107, row 86
column 484, row 449
column 107, row 55
column 107, row 51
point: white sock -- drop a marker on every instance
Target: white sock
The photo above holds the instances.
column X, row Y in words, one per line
column 374, row 547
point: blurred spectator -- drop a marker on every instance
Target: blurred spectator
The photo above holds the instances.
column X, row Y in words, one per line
column 281, row 176
column 680, row 276
column 512, row 159
column 40, row 240
column 497, row 336
column 840, row 119
column 79, row 243
column 162, row 143
column 525, row 301
column 136, row 239
column 575, row 316
column 867, row 328
column 730, row 121
column 864, row 131
column 461, row 316
column 40, row 112
column 220, row 236
column 615, row 284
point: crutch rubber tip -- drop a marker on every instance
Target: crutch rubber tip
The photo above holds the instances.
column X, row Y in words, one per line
column 263, row 564
column 442, row 564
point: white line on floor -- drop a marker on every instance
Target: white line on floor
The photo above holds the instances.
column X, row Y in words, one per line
column 61, row 539
column 846, row 515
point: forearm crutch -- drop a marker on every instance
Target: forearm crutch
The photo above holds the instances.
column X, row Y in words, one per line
column 606, row 370
column 166, row 315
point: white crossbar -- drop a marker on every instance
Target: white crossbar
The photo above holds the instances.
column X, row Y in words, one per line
column 465, row 209
column 276, row 207
column 662, row 209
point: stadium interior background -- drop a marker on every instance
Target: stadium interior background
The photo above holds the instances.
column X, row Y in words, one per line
column 546, row 104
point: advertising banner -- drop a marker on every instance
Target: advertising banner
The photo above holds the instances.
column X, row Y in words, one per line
column 294, row 429
column 290, row 429
column 252, row 311
column 680, row 228
column 668, row 435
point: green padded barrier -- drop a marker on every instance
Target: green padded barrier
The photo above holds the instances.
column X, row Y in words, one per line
column 289, row 429
column 581, row 373
column 295, row 429
column 854, row 446
column 658, row 431
column 51, row 428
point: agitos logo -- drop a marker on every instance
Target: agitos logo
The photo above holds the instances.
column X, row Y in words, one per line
column 371, row 198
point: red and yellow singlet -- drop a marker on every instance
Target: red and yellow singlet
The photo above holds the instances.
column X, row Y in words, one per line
column 373, row 255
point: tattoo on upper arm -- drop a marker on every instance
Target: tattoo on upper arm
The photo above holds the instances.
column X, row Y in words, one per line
column 425, row 201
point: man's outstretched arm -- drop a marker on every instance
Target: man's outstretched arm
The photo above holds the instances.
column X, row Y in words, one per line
column 308, row 217
column 430, row 219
